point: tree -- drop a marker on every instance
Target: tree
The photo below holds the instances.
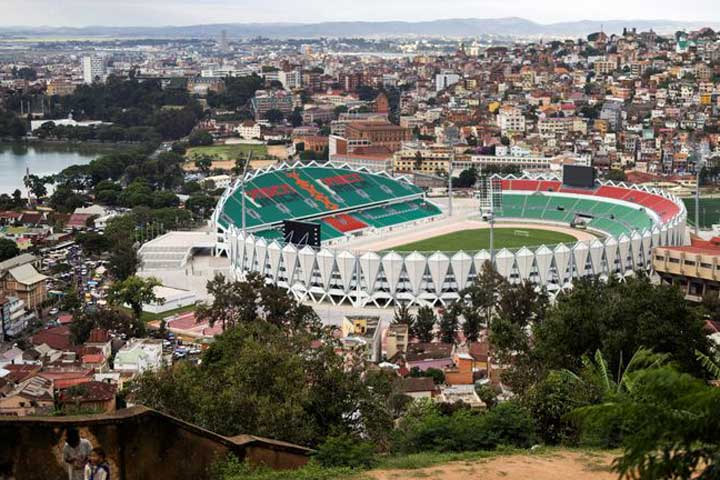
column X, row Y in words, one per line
column 449, row 325
column 616, row 175
column 123, row 261
column 93, row 243
column 423, row 325
column 403, row 316
column 670, row 426
column 36, row 185
column 203, row 163
column 135, row 292
column 436, row 374
column 71, row 301
column 618, row 318
column 200, row 138
column 264, row 378
column 8, row 249
column 274, row 116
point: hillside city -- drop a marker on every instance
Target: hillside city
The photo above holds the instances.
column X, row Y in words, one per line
column 142, row 286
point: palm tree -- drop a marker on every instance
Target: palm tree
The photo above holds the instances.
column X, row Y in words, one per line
column 597, row 373
column 710, row 362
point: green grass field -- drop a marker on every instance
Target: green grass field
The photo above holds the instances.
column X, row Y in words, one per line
column 479, row 239
column 227, row 152
column 709, row 211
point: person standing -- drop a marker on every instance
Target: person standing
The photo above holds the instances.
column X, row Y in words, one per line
column 97, row 467
column 76, row 453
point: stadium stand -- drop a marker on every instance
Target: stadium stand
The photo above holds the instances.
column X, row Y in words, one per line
column 342, row 200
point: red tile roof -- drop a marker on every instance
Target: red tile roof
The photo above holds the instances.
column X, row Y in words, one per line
column 98, row 335
column 57, row 338
column 89, row 392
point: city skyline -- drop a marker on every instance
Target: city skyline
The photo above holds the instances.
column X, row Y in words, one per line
column 80, row 13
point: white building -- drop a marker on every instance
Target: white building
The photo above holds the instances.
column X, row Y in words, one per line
column 511, row 120
column 249, row 130
column 220, row 181
column 290, row 80
column 445, row 79
column 93, row 69
column 139, row 355
column 14, row 319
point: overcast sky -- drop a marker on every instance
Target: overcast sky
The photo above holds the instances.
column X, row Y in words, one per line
column 189, row 12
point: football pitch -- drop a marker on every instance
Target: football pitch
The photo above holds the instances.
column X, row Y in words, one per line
column 709, row 211
column 479, row 239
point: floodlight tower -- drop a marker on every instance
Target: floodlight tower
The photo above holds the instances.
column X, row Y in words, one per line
column 242, row 189
column 702, row 151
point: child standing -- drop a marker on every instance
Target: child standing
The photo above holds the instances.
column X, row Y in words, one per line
column 97, row 468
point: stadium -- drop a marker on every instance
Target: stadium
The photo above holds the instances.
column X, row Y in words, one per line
column 333, row 233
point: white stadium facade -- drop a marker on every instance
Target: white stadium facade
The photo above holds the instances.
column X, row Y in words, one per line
column 626, row 222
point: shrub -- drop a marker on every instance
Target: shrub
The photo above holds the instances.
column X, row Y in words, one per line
column 551, row 401
column 510, row 423
column 345, row 451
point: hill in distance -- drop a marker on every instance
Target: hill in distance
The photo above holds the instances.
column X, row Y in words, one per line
column 458, row 27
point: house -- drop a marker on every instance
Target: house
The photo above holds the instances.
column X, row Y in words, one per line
column 33, row 396
column 25, row 282
column 98, row 397
column 79, row 221
column 23, row 259
column 396, row 339
column 13, row 317
column 57, row 338
column 460, row 393
column 139, row 355
column 100, row 339
column 461, row 373
column 417, row 387
column 429, row 355
column 13, row 356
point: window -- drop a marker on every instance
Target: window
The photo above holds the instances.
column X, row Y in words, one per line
column 674, row 260
column 689, row 262
column 705, row 265
column 659, row 257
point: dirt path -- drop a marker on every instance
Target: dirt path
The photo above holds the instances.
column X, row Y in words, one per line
column 552, row 466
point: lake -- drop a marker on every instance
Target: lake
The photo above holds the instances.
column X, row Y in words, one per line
column 41, row 159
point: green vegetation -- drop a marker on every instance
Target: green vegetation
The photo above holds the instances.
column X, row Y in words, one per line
column 709, row 211
column 479, row 239
column 8, row 249
column 227, row 152
column 607, row 365
column 135, row 108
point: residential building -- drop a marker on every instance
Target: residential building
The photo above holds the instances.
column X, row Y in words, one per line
column 93, row 396
column 291, row 80
column 59, row 87
column 379, row 134
column 445, row 79
column 14, row 317
column 26, row 283
column 94, row 69
column 695, row 268
column 139, row 355
column 266, row 100
column 33, row 396
column 511, row 120
column 248, row 130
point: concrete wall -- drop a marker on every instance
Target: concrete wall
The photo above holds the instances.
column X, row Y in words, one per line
column 140, row 443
